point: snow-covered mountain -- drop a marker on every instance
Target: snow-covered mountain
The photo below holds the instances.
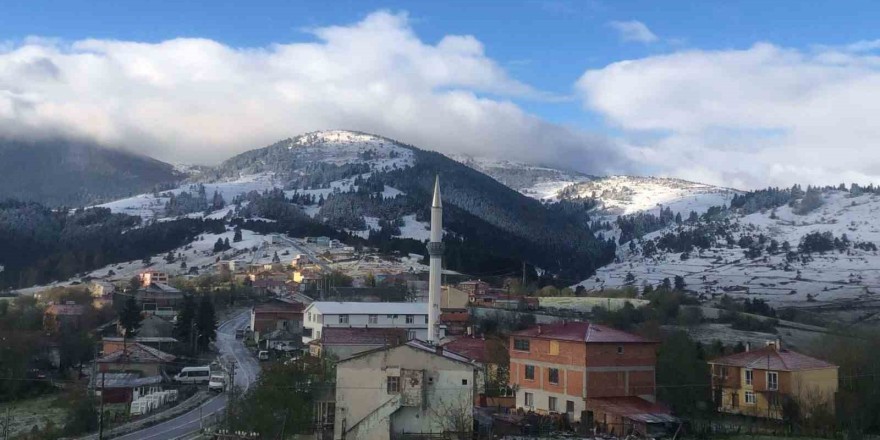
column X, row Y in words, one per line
column 821, row 258
column 617, row 195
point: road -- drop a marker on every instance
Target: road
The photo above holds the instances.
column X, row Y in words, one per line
column 307, row 252
column 245, row 374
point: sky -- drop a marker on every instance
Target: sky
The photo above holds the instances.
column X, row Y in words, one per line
column 742, row 94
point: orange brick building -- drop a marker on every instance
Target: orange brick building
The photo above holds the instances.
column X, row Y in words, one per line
column 578, row 368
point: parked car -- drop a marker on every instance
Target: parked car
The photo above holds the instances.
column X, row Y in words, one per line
column 263, row 355
column 217, row 383
column 194, row 375
column 240, row 333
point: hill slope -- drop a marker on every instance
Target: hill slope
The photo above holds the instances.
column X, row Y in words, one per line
column 71, row 173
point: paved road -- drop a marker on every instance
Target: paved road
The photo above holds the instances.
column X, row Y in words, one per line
column 246, row 373
column 307, row 252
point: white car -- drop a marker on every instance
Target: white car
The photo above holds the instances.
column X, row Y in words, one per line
column 263, row 355
column 217, row 383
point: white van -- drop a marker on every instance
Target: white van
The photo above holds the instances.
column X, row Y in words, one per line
column 194, row 375
column 217, row 382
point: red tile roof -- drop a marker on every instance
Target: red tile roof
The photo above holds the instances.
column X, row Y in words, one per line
column 455, row 317
column 582, row 332
column 363, row 336
column 768, row 358
column 471, row 347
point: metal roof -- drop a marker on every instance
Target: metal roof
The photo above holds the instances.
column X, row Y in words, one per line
column 368, row 308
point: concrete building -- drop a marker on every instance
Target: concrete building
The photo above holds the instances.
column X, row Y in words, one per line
column 757, row 382
column 410, row 316
column 135, row 357
column 576, row 367
column 281, row 318
column 152, row 276
column 414, row 388
column 341, row 343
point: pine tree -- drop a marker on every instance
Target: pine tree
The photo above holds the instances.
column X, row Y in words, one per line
column 237, row 236
column 218, row 246
column 185, row 318
column 226, row 245
column 679, row 283
column 130, row 317
column 276, row 258
column 206, row 322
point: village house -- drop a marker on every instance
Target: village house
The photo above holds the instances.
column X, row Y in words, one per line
column 452, row 299
column 122, row 387
column 456, row 322
column 412, row 317
column 757, row 382
column 64, row 317
column 414, row 388
column 112, row 344
column 597, row 375
column 152, row 276
column 344, row 342
column 278, row 321
column 135, row 357
column 474, row 288
column 159, row 299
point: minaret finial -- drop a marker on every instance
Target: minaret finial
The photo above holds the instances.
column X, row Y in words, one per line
column 437, row 203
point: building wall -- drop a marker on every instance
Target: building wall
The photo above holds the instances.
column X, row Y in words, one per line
column 361, row 392
column 808, row 387
column 585, row 371
column 317, row 321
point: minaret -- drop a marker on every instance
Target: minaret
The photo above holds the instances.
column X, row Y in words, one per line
column 435, row 251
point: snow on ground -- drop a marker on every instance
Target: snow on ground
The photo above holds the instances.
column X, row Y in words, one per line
column 150, row 206
column 622, row 195
column 830, row 278
column 415, row 229
column 343, row 147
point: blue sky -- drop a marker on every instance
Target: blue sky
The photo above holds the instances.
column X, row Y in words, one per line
column 547, row 44
column 626, row 114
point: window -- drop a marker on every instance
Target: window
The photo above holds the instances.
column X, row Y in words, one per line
column 772, row 380
column 393, row 385
column 749, row 375
column 464, row 381
column 529, row 400
column 750, row 398
column 619, row 349
column 551, row 403
column 569, row 407
column 410, row 335
column 530, row 372
column 317, row 334
column 374, row 319
column 554, row 348
column 554, row 375
column 410, row 319
column 724, row 372
column 521, row 344
column 426, row 319
column 343, row 319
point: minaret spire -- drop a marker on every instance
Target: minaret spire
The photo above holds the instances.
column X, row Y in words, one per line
column 435, row 252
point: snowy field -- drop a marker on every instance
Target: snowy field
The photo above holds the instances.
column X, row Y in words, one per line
column 832, row 277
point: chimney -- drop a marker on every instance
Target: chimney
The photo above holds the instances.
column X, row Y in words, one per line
column 748, row 346
column 539, row 329
column 438, row 349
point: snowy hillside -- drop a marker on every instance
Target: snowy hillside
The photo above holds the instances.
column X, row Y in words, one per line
column 775, row 254
column 622, row 195
column 538, row 182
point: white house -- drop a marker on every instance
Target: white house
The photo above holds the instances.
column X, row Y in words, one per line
column 411, row 388
column 410, row 316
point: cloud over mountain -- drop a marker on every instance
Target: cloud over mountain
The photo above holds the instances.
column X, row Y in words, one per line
column 746, row 118
column 199, row 100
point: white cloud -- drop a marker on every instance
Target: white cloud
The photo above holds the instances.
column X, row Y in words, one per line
column 633, row 31
column 198, row 100
column 754, row 117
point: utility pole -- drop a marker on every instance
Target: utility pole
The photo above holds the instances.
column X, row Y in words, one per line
column 6, row 425
column 101, row 411
column 524, row 274
column 230, row 401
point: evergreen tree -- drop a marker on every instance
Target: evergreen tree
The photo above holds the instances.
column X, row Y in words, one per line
column 206, row 322
column 185, row 318
column 666, row 284
column 237, row 236
column 276, row 258
column 218, row 246
column 130, row 317
column 226, row 245
column 679, row 283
